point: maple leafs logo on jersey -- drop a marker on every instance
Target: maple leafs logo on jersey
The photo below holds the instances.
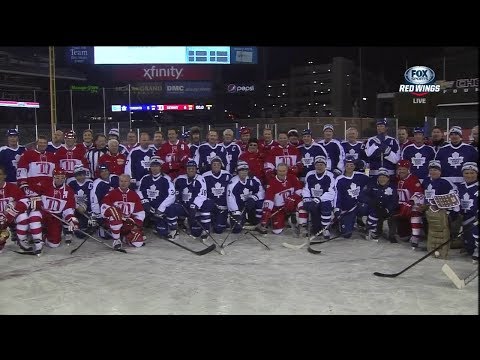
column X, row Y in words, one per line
column 317, row 190
column 245, row 194
column 145, row 162
column 466, row 203
column 186, row 195
column 15, row 161
column 353, row 153
column 218, row 189
column 210, row 157
column 354, row 190
column 455, row 160
column 418, row 160
column 81, row 197
column 152, row 192
column 429, row 192
column 388, row 191
column 307, row 160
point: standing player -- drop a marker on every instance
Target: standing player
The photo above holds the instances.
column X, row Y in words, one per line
column 254, row 158
column 335, row 153
column 174, row 154
column 310, row 150
column 158, row 141
column 468, row 192
column 232, row 151
column 245, row 134
column 352, row 146
column 267, row 143
column 94, row 154
column 418, row 154
column 113, row 159
column 115, row 135
column 57, row 141
column 10, row 154
column 402, row 135
column 87, row 143
column 207, row 151
column 138, row 160
column 286, row 154
column 194, row 140
column 70, row 155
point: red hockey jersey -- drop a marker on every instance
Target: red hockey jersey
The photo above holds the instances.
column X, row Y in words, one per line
column 11, row 194
column 265, row 148
column 59, row 201
column 116, row 163
column 84, row 148
column 289, row 155
column 174, row 158
column 242, row 145
column 69, row 158
column 409, row 189
column 36, row 170
column 255, row 163
column 127, row 202
column 277, row 191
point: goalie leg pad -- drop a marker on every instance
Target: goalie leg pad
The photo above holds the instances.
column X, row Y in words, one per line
column 438, row 231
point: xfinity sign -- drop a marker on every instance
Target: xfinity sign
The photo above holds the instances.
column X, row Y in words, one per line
column 235, row 89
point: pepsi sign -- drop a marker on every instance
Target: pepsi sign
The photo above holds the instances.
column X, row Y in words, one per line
column 235, row 89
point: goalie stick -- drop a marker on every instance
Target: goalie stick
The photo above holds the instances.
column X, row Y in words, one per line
column 459, row 283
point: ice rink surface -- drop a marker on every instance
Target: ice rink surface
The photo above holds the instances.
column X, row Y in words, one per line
column 161, row 278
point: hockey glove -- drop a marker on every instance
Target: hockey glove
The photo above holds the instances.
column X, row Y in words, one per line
column 72, row 224
column 192, row 210
column 336, row 213
column 35, row 202
column 146, row 206
column 267, row 214
column 337, row 172
column 316, row 200
column 387, row 151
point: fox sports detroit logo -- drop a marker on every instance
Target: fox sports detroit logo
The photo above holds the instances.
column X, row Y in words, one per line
column 420, row 80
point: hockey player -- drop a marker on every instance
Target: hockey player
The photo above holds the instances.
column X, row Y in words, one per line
column 207, row 151
column 123, row 214
column 13, row 212
column 10, row 154
column 474, row 134
column 87, row 143
column 245, row 199
column 158, row 141
column 382, row 151
column 468, row 192
column 293, row 137
column 283, row 154
column 352, row 146
column 70, row 155
column 348, row 188
column 157, row 194
column 35, row 169
column 310, row 150
column 318, row 195
column 138, row 160
column 454, row 154
column 418, row 154
column 267, row 143
column 232, row 151
column 379, row 202
column 113, row 159
column 245, row 135
column 216, row 181
column 57, row 141
column 402, row 137
column 58, row 199
column 437, row 140
column 282, row 196
column 94, row 154
column 254, row 158
column 115, row 135
column 101, row 187
column 335, row 152
column 192, row 197
column 194, row 142
column 174, row 154
column 131, row 141
column 435, row 184
column 410, row 198
column 81, row 187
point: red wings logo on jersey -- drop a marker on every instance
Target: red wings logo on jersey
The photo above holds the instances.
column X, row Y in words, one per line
column 43, row 168
column 289, row 160
column 125, row 206
column 69, row 164
column 52, row 204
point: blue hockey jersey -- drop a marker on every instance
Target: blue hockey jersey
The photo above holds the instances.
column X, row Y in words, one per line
column 439, row 186
column 419, row 158
column 82, row 192
column 319, row 186
column 9, row 158
column 100, row 188
column 205, row 153
column 138, row 163
column 191, row 190
column 374, row 154
column 357, row 150
column 376, row 195
column 232, row 152
column 193, row 149
column 336, row 155
column 158, row 190
column 239, row 191
column 452, row 158
column 468, row 194
column 308, row 156
column 217, row 186
column 348, row 189
column 52, row 148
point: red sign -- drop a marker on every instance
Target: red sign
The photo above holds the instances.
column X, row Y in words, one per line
column 162, row 72
column 179, row 107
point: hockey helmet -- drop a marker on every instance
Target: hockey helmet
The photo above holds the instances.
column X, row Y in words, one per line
column 12, row 132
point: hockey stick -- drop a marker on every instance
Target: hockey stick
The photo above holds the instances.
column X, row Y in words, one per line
column 223, row 243
column 419, row 260
column 313, row 251
column 248, row 232
column 459, row 283
column 83, row 242
column 201, row 252
column 90, row 236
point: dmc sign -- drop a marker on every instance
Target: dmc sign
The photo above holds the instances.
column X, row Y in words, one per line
column 232, row 88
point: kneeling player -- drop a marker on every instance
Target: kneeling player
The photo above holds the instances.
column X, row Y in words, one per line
column 124, row 215
column 282, row 197
column 468, row 192
column 158, row 197
column 245, row 199
column 81, row 187
column 318, row 195
column 13, row 210
column 192, row 192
